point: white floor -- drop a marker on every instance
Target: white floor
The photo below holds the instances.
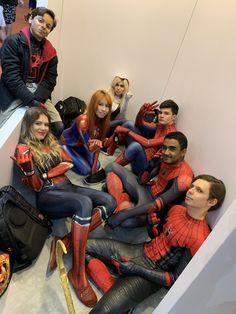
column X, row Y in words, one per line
column 32, row 291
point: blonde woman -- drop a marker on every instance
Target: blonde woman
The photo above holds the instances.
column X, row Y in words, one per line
column 120, row 94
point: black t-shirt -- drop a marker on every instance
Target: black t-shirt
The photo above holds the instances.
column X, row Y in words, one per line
column 36, row 50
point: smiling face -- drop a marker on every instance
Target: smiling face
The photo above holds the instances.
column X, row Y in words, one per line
column 40, row 127
column 166, row 117
column 197, row 196
column 172, row 152
column 102, row 109
column 41, row 26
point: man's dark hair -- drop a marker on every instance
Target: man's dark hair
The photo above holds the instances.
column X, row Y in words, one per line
column 178, row 136
column 217, row 189
column 170, row 104
column 41, row 11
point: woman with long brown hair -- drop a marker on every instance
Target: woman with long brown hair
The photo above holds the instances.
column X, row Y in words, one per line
column 84, row 139
column 44, row 163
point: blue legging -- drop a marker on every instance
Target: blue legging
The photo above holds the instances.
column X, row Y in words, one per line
column 134, row 152
column 67, row 200
column 82, row 159
column 143, row 130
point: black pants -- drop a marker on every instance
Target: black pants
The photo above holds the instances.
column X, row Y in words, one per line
column 127, row 291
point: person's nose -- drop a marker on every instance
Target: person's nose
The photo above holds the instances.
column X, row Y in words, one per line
column 43, row 25
column 190, row 190
column 167, row 151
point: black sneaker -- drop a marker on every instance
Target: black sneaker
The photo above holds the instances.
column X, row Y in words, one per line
column 96, row 178
column 104, row 151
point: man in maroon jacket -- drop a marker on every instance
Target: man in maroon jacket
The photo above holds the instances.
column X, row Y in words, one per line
column 29, row 68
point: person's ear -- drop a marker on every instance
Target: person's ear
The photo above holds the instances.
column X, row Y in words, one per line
column 212, row 202
column 174, row 117
column 183, row 152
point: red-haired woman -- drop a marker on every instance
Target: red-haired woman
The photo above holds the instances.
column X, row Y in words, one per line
column 84, row 139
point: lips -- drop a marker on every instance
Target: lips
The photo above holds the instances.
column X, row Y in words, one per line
column 41, row 133
column 166, row 157
column 42, row 33
column 187, row 198
column 102, row 114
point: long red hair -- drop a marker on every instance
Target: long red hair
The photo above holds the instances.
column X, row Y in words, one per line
column 93, row 120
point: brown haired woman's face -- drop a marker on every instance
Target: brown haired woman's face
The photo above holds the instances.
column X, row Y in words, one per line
column 119, row 88
column 40, row 127
column 102, row 109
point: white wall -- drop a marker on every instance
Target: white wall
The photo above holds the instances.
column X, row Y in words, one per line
column 136, row 38
column 9, row 136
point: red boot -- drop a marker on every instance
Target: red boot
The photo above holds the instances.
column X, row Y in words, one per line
column 77, row 275
column 98, row 216
column 52, row 259
column 99, row 273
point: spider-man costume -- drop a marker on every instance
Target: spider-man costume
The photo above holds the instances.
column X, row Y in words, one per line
column 75, row 142
column 146, row 267
column 153, row 197
column 139, row 150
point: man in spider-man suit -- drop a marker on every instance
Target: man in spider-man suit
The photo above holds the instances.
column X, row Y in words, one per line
column 137, row 197
column 146, row 267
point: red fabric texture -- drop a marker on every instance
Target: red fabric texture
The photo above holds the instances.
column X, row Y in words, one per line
column 99, row 273
column 180, row 230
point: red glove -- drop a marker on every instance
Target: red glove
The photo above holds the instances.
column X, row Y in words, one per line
column 117, row 263
column 153, row 219
column 152, row 215
column 94, row 145
column 24, row 159
column 147, row 107
column 111, row 143
column 121, row 129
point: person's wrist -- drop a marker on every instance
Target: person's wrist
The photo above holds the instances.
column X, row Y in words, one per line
column 44, row 176
column 28, row 173
column 35, row 103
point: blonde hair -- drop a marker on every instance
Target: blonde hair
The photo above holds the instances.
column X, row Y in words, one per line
column 118, row 79
column 93, row 120
column 27, row 137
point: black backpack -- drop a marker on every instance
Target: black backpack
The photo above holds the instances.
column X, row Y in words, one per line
column 23, row 229
column 69, row 109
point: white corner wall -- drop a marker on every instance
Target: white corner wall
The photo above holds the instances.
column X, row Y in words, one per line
column 184, row 50
column 100, row 39
column 9, row 137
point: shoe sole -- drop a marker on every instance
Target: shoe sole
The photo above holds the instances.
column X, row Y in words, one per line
column 94, row 183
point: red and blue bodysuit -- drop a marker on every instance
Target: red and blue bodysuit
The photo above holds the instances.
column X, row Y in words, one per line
column 57, row 197
column 145, row 268
column 75, row 142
